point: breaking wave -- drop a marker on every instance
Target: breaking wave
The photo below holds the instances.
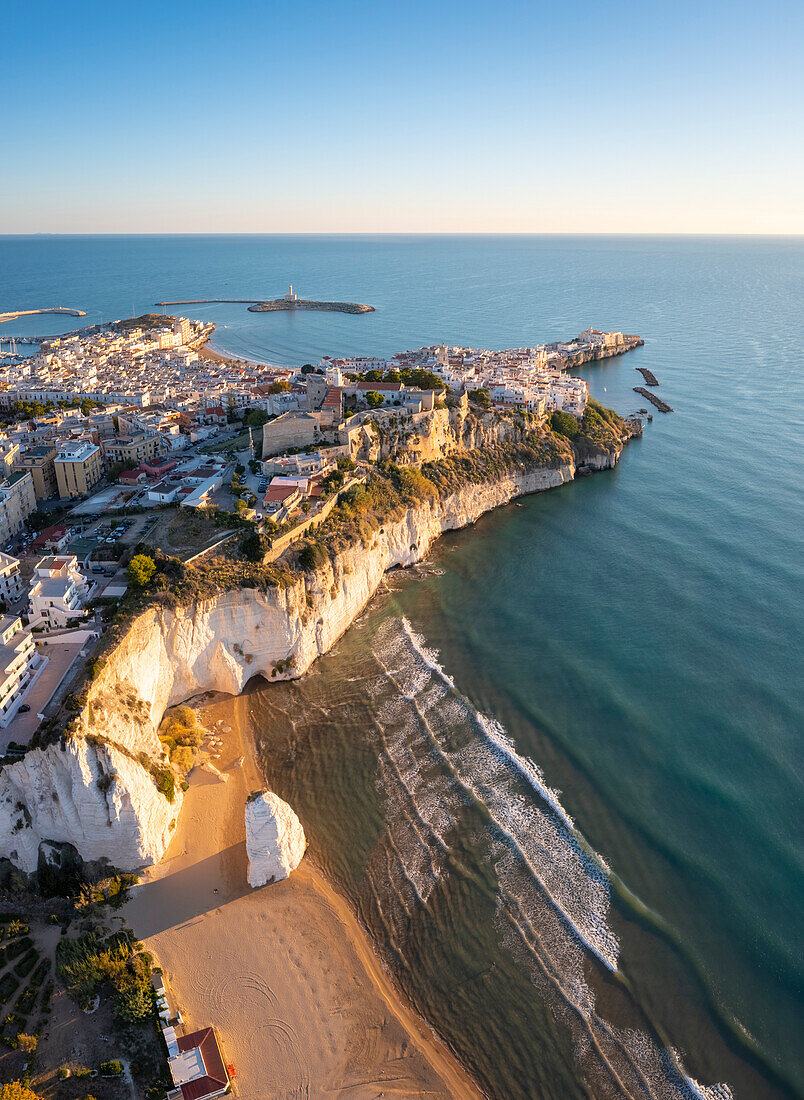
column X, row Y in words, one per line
column 441, row 756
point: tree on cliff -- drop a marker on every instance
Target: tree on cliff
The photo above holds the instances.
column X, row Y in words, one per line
column 140, row 570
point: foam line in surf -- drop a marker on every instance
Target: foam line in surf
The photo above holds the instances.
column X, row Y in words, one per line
column 557, row 858
column 663, row 1066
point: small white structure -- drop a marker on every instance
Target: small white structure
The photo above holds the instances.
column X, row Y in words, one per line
column 58, row 592
column 290, row 296
column 275, row 840
column 19, row 665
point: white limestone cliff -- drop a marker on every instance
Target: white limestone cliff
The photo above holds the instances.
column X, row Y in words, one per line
column 94, row 797
column 275, row 840
column 218, row 643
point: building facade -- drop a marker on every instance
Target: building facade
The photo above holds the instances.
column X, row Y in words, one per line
column 39, row 463
column 17, row 501
column 11, row 587
column 78, row 468
column 19, row 663
column 58, row 592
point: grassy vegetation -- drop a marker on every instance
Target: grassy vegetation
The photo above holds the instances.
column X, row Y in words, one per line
column 89, row 964
column 564, row 424
column 600, row 425
column 181, row 735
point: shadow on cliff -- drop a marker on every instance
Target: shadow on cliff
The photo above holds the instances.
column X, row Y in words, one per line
column 189, row 892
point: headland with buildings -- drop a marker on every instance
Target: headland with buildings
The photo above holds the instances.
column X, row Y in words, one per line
column 239, row 482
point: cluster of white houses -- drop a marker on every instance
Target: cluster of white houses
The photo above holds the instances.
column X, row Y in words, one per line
column 138, row 367
column 532, row 378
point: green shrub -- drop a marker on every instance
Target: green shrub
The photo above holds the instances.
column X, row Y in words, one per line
column 311, row 556
column 25, row 943
column 27, row 963
column 565, row 424
column 8, row 987
column 112, row 1068
column 89, row 963
column 166, row 783
column 140, row 570
column 41, row 972
column 25, row 1001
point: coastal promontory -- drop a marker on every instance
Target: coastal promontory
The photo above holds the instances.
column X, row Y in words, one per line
column 99, row 778
column 288, row 302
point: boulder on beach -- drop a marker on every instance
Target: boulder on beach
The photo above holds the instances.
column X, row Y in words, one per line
column 275, row 840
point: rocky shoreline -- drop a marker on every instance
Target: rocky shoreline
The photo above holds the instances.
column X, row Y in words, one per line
column 301, row 303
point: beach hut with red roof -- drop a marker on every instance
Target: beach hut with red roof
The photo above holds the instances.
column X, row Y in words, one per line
column 198, row 1069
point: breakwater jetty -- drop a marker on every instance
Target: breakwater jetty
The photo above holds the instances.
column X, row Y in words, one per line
column 272, row 305
column 649, row 376
column 66, row 310
column 662, row 406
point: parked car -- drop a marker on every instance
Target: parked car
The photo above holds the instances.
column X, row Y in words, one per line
column 23, row 709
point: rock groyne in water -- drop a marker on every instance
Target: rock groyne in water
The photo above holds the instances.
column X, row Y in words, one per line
column 273, row 305
column 649, row 376
column 662, row 406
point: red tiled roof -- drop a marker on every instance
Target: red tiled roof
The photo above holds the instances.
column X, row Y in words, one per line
column 216, row 1077
column 279, row 493
column 396, row 387
column 332, row 396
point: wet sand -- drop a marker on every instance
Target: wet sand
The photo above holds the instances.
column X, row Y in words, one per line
column 286, row 973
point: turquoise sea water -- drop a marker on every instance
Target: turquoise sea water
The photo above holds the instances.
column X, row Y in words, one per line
column 638, row 635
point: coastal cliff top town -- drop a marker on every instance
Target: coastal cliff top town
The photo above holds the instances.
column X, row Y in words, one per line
column 135, row 432
column 141, row 469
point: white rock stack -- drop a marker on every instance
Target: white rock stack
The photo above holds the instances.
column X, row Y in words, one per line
column 275, row 840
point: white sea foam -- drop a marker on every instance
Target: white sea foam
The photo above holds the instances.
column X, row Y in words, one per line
column 553, row 890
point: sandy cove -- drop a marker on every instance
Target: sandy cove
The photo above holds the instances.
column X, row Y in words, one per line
column 286, row 973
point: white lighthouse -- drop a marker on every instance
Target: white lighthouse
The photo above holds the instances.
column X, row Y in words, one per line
column 290, row 296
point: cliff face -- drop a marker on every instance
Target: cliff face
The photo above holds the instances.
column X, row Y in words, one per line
column 92, row 796
column 98, row 793
column 429, row 436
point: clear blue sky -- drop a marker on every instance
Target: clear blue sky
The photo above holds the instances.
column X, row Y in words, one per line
column 308, row 116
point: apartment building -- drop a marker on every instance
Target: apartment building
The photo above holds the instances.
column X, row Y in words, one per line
column 131, row 450
column 19, row 663
column 58, row 591
column 78, row 468
column 17, row 501
column 39, row 463
column 11, row 587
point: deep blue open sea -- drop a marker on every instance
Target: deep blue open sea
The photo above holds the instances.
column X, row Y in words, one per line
column 632, row 641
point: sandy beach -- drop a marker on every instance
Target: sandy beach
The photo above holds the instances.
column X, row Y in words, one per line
column 286, row 973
